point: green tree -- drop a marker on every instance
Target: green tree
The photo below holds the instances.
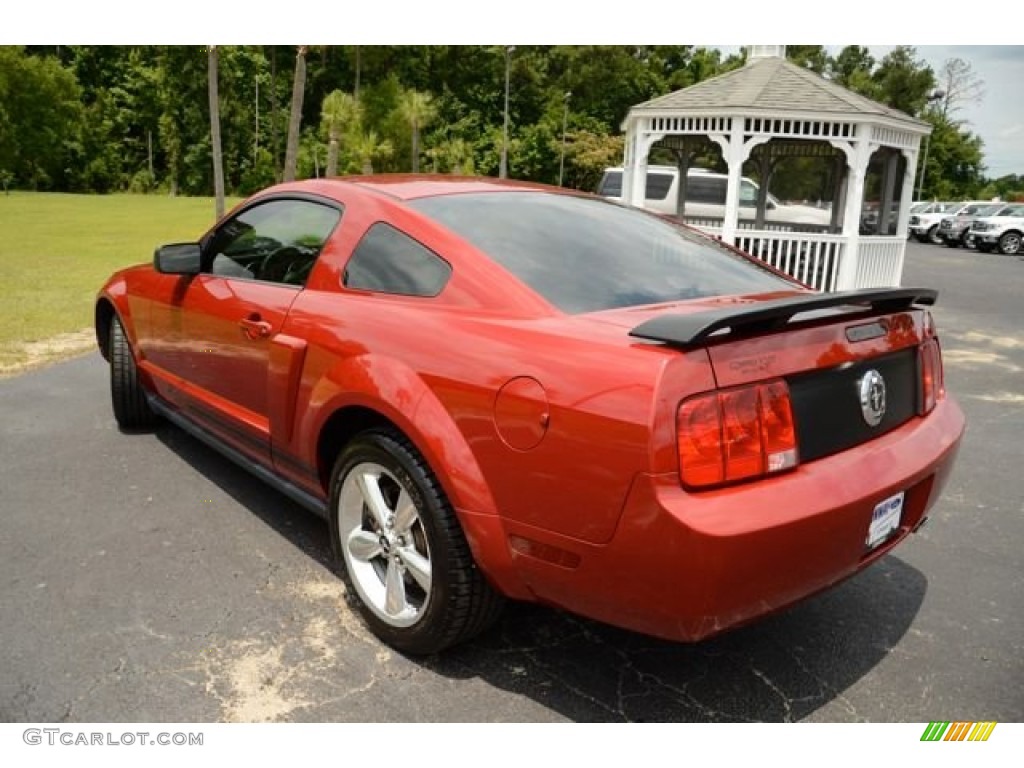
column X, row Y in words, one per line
column 812, row 57
column 904, row 82
column 340, row 111
column 41, row 120
column 369, row 147
column 417, row 110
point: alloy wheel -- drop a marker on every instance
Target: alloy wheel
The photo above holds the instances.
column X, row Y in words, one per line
column 384, row 544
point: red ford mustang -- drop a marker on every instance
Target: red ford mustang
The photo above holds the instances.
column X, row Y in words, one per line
column 497, row 390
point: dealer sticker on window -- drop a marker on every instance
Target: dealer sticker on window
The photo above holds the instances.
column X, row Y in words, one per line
column 885, row 519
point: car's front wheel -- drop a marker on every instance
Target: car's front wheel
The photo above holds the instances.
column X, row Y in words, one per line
column 127, row 396
column 402, row 550
column 1009, row 243
column 933, row 235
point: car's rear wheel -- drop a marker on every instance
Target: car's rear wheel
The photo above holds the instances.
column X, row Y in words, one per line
column 402, row 551
column 1009, row 243
column 127, row 395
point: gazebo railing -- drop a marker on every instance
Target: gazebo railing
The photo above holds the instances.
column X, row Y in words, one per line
column 811, row 259
column 879, row 261
column 817, row 259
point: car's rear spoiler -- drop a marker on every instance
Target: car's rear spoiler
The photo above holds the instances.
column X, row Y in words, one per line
column 746, row 319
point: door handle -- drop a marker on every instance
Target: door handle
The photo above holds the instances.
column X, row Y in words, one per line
column 254, row 327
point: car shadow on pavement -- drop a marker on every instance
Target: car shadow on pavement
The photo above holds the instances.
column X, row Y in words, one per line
column 300, row 526
column 782, row 668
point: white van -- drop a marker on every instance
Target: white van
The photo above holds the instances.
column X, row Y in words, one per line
column 705, row 197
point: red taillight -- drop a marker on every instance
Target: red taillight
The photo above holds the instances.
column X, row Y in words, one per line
column 933, row 387
column 736, row 434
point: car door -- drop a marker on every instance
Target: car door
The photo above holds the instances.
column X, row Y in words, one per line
column 254, row 265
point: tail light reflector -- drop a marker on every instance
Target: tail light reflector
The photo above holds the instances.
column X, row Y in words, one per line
column 933, row 386
column 736, row 434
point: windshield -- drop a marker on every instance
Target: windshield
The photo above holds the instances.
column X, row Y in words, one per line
column 584, row 254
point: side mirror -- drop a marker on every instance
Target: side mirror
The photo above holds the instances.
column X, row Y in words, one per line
column 178, row 259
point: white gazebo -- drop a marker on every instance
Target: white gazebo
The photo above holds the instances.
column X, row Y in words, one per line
column 766, row 111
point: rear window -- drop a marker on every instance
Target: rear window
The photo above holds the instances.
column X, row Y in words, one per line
column 585, row 255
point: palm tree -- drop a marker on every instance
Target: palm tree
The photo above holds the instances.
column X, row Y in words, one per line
column 367, row 147
column 291, row 155
column 417, row 109
column 218, row 160
column 339, row 111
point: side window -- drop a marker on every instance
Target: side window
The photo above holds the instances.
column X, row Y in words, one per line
column 701, row 189
column 748, row 193
column 389, row 261
column 277, row 241
column 658, row 185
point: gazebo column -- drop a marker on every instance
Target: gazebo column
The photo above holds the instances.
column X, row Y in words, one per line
column 735, row 151
column 858, row 155
column 906, row 194
column 734, row 157
column 634, row 173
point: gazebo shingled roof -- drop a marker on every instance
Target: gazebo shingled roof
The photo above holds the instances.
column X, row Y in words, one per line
column 773, row 84
column 765, row 111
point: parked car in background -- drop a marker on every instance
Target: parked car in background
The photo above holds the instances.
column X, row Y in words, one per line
column 705, row 197
column 953, row 229
column 503, row 390
column 924, row 224
column 1001, row 231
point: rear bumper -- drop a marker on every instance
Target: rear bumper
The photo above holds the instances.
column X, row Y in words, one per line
column 685, row 566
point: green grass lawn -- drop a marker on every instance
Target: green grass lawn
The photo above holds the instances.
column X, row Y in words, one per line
column 56, row 250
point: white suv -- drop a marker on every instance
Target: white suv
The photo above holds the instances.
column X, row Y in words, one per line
column 924, row 224
column 1002, row 231
column 705, row 197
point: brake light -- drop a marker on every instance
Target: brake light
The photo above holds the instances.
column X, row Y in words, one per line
column 933, row 385
column 736, row 434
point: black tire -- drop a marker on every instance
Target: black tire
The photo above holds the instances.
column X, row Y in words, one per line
column 933, row 235
column 1010, row 243
column 983, row 247
column 127, row 396
column 458, row 603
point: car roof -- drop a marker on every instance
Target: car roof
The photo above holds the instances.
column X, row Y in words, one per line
column 411, row 187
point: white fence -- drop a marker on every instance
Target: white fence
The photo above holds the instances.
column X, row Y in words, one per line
column 817, row 259
column 811, row 259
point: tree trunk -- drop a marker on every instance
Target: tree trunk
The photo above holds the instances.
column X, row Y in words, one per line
column 415, row 148
column 359, row 66
column 367, row 167
column 218, row 161
column 275, row 146
column 332, row 155
column 291, row 155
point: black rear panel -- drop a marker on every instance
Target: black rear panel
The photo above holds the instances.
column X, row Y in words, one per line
column 826, row 404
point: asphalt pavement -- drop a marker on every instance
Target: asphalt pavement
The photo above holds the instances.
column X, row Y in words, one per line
column 147, row 579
